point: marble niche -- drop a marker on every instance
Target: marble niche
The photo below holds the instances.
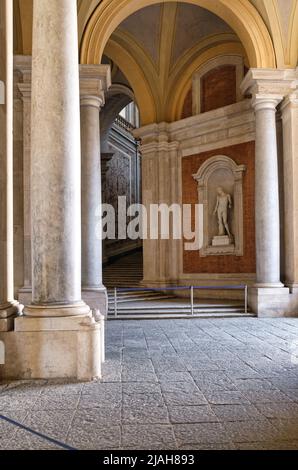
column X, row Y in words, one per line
column 220, row 191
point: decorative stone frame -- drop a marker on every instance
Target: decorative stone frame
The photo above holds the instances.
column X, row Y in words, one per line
column 235, row 60
column 205, row 172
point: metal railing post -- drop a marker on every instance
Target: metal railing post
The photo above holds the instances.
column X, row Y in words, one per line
column 191, row 301
column 246, row 299
column 115, row 302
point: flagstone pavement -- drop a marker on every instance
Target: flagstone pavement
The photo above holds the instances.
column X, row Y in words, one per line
column 169, row 384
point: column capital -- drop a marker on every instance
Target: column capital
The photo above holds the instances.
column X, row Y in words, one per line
column 95, row 80
column 269, row 84
column 94, row 100
column 269, row 101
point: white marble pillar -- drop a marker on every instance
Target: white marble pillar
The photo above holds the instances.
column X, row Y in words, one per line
column 91, row 193
column 268, row 88
column 55, row 162
column 8, row 306
column 22, row 66
column 290, row 167
column 94, row 81
column 267, row 193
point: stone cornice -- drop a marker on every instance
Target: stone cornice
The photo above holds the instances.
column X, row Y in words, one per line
column 156, row 138
column 220, row 127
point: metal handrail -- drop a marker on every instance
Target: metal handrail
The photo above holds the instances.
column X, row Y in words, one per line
column 173, row 288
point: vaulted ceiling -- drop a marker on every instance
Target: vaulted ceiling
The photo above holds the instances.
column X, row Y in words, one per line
column 163, row 44
column 157, row 48
column 280, row 17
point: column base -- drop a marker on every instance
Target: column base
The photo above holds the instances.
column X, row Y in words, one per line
column 269, row 301
column 96, row 298
column 45, row 311
column 25, row 295
column 8, row 312
column 271, row 285
column 49, row 348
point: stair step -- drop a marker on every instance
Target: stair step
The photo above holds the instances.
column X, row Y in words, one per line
column 170, row 310
column 169, row 316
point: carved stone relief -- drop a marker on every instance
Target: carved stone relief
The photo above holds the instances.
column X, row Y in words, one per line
column 220, row 182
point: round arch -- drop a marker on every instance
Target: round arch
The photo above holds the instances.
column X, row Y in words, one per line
column 181, row 82
column 240, row 15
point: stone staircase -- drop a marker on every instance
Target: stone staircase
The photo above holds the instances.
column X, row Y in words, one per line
column 133, row 301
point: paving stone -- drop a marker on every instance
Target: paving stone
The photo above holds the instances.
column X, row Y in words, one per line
column 191, row 414
column 252, row 431
column 180, row 393
column 143, row 399
column 57, row 402
column 172, row 376
column 50, row 423
column 201, row 433
column 24, row 440
column 278, row 410
column 145, row 414
column 266, row 396
column 285, row 383
column 254, row 384
column 142, row 376
column 215, row 381
column 292, row 394
column 103, row 415
column 8, row 429
column 88, row 435
column 16, row 402
column 236, row 412
column 287, row 428
column 97, row 400
column 139, row 388
column 225, row 397
column 148, row 437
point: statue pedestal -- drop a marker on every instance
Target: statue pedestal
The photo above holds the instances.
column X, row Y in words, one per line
column 222, row 240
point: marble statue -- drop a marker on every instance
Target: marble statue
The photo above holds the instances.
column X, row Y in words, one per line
column 223, row 204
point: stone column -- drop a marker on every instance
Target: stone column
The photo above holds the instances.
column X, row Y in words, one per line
column 58, row 336
column 268, row 88
column 93, row 81
column 55, row 162
column 8, row 306
column 290, row 167
column 160, row 163
column 22, row 66
column 267, row 193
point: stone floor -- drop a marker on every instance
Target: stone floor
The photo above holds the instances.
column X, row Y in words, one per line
column 170, row 384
